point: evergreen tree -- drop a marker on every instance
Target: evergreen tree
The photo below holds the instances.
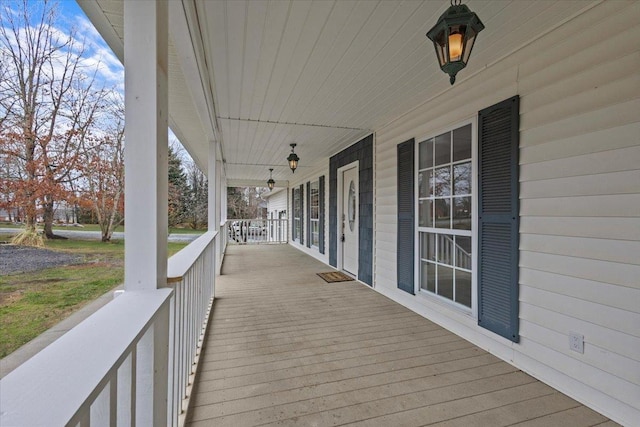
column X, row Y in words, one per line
column 197, row 197
column 178, row 190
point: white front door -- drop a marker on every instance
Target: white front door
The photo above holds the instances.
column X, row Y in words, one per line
column 349, row 225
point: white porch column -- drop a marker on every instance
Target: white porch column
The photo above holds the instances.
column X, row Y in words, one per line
column 146, row 103
column 221, row 194
column 213, row 205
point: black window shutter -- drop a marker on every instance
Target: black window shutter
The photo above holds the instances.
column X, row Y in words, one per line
column 498, row 222
column 308, row 214
column 301, row 236
column 321, row 214
column 406, row 216
column 293, row 208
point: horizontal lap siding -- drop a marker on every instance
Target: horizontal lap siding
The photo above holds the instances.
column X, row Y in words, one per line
column 277, row 203
column 579, row 202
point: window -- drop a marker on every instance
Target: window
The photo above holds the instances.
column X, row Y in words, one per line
column 445, row 204
column 314, row 213
column 297, row 211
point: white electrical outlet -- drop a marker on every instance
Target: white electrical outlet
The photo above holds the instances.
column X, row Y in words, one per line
column 576, row 342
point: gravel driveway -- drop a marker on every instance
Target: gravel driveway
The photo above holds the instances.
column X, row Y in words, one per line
column 14, row 259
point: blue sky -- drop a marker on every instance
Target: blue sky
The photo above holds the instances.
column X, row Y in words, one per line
column 98, row 54
column 111, row 71
column 71, row 8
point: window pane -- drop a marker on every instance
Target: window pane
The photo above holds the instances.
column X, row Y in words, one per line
column 442, row 181
column 445, row 249
column 462, row 179
column 443, row 149
column 425, row 213
column 462, row 143
column 428, row 276
column 445, row 281
column 445, row 196
column 463, row 287
column 463, row 252
column 296, row 203
column 428, row 246
column 424, row 183
column 314, row 233
column 462, row 213
column 442, row 213
column 426, row 154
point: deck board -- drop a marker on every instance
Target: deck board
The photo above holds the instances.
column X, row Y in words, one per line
column 285, row 348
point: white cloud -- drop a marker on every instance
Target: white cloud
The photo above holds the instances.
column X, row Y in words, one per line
column 97, row 56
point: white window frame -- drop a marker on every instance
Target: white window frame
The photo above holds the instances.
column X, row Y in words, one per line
column 297, row 226
column 473, row 311
column 314, row 221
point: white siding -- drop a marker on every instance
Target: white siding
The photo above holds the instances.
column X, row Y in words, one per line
column 276, row 203
column 580, row 204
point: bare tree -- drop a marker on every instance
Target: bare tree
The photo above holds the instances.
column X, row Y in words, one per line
column 245, row 202
column 101, row 184
column 47, row 105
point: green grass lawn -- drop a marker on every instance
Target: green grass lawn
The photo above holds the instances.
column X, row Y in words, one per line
column 30, row 303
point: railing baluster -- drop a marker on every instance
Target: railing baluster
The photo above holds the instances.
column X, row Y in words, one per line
column 100, row 409
column 133, row 357
column 255, row 231
column 113, row 401
column 124, row 386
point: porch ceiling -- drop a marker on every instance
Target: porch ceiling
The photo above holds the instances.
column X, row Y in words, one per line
column 318, row 73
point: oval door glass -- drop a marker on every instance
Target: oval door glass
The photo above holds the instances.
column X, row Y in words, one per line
column 352, row 205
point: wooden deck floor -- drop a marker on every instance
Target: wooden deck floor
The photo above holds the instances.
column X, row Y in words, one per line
column 285, row 348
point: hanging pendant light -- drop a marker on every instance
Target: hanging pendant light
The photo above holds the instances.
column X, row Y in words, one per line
column 293, row 159
column 453, row 37
column 271, row 183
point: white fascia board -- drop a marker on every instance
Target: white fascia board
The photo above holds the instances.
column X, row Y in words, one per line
column 189, row 48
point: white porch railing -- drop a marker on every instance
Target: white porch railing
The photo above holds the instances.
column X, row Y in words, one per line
column 130, row 363
column 256, row 231
column 191, row 273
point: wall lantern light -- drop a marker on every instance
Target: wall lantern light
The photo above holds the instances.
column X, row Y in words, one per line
column 453, row 37
column 293, row 159
column 271, row 183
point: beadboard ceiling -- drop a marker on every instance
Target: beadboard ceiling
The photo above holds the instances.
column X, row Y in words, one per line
column 321, row 73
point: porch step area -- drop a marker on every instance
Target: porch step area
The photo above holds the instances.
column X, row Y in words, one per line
column 286, row 348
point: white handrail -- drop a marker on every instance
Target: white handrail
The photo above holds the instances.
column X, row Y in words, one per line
column 60, row 384
column 182, row 261
column 131, row 362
